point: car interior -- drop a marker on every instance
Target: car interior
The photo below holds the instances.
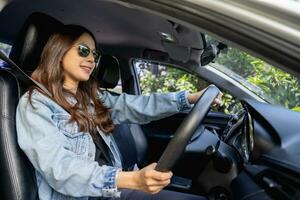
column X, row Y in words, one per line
column 212, row 165
column 35, row 33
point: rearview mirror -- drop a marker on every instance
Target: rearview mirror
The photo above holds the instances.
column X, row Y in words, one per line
column 211, row 52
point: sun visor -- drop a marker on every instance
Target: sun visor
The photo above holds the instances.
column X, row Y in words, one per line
column 193, row 55
column 182, row 53
column 177, row 52
column 183, row 44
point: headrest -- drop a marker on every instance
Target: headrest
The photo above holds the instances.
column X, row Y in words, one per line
column 31, row 40
column 108, row 71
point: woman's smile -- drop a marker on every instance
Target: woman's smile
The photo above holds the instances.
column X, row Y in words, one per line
column 87, row 69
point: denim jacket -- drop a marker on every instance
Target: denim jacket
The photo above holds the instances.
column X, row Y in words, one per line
column 64, row 157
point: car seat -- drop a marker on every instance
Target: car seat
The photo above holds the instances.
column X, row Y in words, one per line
column 17, row 174
column 17, row 180
column 130, row 138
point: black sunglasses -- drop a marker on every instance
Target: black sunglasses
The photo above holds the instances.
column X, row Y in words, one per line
column 84, row 51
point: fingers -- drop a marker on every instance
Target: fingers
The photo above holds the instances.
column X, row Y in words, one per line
column 153, row 186
column 220, row 95
column 151, row 166
column 192, row 98
column 161, row 176
column 155, row 189
column 218, row 100
column 153, row 181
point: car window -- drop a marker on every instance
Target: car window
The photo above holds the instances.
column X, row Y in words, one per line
column 5, row 48
column 270, row 83
column 154, row 77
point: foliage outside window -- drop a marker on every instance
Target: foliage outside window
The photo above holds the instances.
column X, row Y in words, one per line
column 276, row 86
column 160, row 78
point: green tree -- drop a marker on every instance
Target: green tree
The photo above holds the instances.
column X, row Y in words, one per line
column 156, row 78
column 278, row 86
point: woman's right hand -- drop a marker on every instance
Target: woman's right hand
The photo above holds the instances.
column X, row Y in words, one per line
column 147, row 179
column 153, row 181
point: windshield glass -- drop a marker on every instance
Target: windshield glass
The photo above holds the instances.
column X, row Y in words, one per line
column 272, row 84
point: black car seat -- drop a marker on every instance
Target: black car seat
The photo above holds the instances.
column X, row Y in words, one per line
column 17, row 180
column 17, row 174
column 130, row 138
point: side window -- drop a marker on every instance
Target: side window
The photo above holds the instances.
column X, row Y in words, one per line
column 155, row 77
column 5, row 48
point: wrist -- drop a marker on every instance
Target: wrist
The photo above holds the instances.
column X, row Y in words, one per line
column 129, row 180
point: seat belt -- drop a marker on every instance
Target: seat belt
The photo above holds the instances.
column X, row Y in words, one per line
column 9, row 61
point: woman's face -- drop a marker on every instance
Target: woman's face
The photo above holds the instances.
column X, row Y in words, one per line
column 77, row 68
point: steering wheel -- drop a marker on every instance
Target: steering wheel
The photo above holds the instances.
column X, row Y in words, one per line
column 186, row 130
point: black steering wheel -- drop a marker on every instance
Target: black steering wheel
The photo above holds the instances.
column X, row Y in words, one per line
column 186, row 129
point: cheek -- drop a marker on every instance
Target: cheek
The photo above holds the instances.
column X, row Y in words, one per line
column 70, row 62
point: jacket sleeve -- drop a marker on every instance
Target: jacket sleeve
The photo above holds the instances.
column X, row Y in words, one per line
column 65, row 172
column 143, row 109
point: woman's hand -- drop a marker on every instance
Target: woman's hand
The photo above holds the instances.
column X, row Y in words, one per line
column 153, row 181
column 147, row 179
column 192, row 98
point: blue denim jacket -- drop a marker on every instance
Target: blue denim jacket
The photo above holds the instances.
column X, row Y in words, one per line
column 64, row 157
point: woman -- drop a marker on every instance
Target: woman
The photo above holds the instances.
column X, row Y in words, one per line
column 58, row 133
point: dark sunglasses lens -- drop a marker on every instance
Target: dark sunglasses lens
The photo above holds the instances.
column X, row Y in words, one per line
column 96, row 56
column 83, row 51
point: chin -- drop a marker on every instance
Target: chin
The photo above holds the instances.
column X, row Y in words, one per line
column 84, row 78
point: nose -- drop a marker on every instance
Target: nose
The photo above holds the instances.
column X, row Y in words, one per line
column 91, row 58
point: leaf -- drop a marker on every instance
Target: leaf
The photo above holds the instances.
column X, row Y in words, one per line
column 296, row 109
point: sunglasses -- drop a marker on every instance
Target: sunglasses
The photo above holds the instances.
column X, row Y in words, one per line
column 84, row 51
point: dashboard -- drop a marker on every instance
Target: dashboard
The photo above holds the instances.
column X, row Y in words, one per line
column 262, row 129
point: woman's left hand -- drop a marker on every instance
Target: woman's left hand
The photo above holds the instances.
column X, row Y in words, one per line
column 192, row 98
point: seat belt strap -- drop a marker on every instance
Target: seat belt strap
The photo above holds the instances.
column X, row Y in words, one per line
column 9, row 61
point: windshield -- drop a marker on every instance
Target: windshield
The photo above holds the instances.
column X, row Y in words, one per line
column 272, row 84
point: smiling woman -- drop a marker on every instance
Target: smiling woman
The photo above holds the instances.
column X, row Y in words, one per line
column 79, row 118
column 80, row 136
column 82, row 48
column 64, row 71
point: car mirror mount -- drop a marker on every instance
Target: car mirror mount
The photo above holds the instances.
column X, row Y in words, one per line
column 211, row 52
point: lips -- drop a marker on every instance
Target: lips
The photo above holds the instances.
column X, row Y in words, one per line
column 86, row 69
